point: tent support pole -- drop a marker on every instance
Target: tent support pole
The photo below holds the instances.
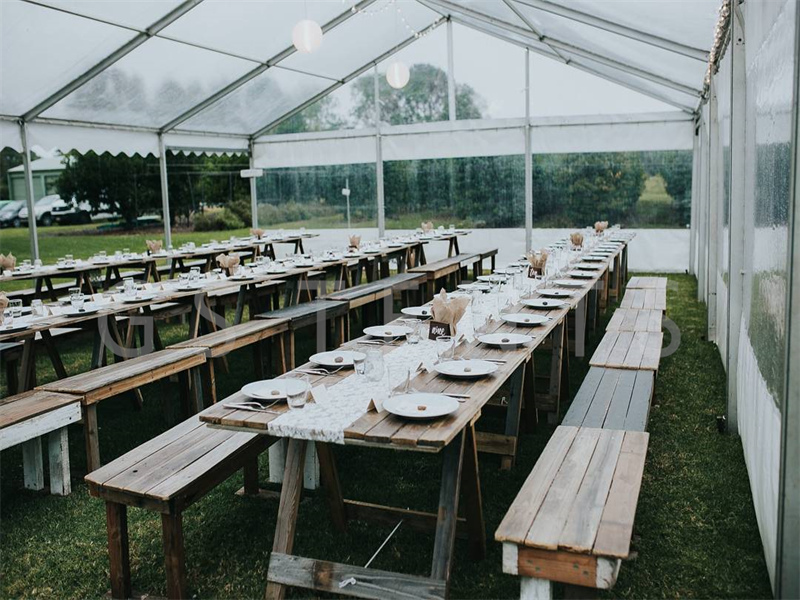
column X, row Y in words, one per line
column 379, row 155
column 451, row 76
column 787, row 551
column 736, row 252
column 695, row 199
column 253, row 188
column 29, row 201
column 528, row 157
column 162, row 163
column 714, row 176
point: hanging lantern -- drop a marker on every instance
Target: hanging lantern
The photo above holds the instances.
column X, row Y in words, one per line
column 307, row 36
column 398, row 75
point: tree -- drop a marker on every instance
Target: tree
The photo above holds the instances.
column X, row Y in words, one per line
column 8, row 160
column 677, row 173
column 423, row 99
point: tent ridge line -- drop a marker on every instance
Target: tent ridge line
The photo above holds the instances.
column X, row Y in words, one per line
column 110, row 59
column 347, row 79
column 252, row 74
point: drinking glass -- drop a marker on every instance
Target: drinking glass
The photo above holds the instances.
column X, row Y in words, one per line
column 374, row 365
column 37, row 263
column 359, row 365
column 70, row 258
column 15, row 308
column 415, row 335
column 77, row 300
column 37, row 308
column 194, row 273
column 444, row 347
column 26, row 264
column 130, row 286
column 297, row 395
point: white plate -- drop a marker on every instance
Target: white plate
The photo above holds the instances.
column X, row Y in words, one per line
column 569, row 283
column 336, row 358
column 396, row 245
column 595, row 258
column 242, row 278
column 276, row 271
column 387, row 332
column 421, row 405
column 525, row 319
column 417, row 311
column 466, row 369
column 578, row 274
column 544, row 303
column 352, row 255
column 504, row 339
column 81, row 313
column 137, row 299
column 588, row 267
column 553, row 293
column 14, row 328
column 373, row 251
column 472, row 287
column 496, row 278
column 272, row 389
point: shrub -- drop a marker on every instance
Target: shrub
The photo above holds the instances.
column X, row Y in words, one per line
column 217, row 220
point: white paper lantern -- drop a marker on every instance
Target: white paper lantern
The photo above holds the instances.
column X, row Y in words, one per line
column 398, row 75
column 307, row 36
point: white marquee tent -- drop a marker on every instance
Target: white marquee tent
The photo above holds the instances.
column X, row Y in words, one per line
column 218, row 76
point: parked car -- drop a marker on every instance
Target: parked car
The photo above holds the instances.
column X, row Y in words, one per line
column 43, row 210
column 71, row 211
column 4, row 203
column 9, row 213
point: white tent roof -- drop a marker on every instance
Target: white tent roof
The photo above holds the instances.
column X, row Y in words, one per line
column 219, row 73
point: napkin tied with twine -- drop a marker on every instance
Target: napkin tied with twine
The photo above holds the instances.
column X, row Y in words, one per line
column 427, row 226
column 3, row 305
column 600, row 226
column 449, row 311
column 8, row 261
column 355, row 241
column 257, row 232
column 576, row 239
column 154, row 245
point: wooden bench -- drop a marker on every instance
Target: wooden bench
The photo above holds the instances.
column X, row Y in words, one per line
column 11, row 357
column 478, row 267
column 167, row 475
column 25, row 419
column 446, row 272
column 647, row 283
column 112, row 380
column 572, row 521
column 256, row 333
column 612, row 399
column 629, row 350
column 645, row 299
column 634, row 319
column 317, row 312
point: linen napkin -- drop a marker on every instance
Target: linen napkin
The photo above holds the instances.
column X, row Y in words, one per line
column 8, row 261
column 228, row 262
column 154, row 245
column 355, row 241
column 427, row 226
column 3, row 305
column 576, row 239
column 257, row 232
column 449, row 311
column 600, row 226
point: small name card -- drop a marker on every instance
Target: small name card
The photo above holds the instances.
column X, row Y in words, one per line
column 438, row 329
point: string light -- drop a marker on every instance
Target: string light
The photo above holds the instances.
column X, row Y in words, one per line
column 372, row 12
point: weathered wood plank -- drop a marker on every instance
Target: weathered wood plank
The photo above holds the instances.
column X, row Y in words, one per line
column 596, row 415
column 620, row 401
column 652, row 353
column 584, row 398
column 639, row 409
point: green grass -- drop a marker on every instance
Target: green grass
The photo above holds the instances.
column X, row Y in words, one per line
column 697, row 534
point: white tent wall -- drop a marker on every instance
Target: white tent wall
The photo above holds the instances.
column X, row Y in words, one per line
column 742, row 211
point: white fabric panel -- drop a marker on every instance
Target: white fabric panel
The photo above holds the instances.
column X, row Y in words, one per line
column 205, row 144
column 50, row 136
column 299, row 152
column 10, row 136
column 454, row 144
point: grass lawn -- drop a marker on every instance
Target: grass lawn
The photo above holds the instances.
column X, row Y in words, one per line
column 696, row 528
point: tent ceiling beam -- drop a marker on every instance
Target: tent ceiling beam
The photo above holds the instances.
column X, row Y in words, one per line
column 617, row 28
column 566, row 47
column 112, row 58
column 234, row 85
column 571, row 62
column 522, row 17
column 348, row 78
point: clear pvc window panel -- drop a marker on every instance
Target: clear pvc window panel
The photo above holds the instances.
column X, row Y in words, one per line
column 138, row 14
column 561, row 90
column 425, row 96
column 43, row 50
column 257, row 30
column 489, row 74
column 156, row 82
column 362, row 38
column 689, row 22
column 259, row 102
column 676, row 67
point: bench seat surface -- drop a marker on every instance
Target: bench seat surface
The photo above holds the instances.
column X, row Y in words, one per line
column 332, row 308
column 174, row 463
column 581, row 495
column 446, row 264
column 34, row 413
column 629, row 350
column 237, row 335
column 120, row 377
column 612, row 399
column 634, row 319
column 645, row 283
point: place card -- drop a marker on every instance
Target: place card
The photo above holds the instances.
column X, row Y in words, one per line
column 438, row 329
column 320, row 394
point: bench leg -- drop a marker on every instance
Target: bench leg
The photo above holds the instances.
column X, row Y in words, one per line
column 531, row 588
column 174, row 554
column 91, row 437
column 473, row 503
column 452, row 461
column 250, row 472
column 58, row 451
column 331, row 486
column 32, row 464
column 118, row 555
